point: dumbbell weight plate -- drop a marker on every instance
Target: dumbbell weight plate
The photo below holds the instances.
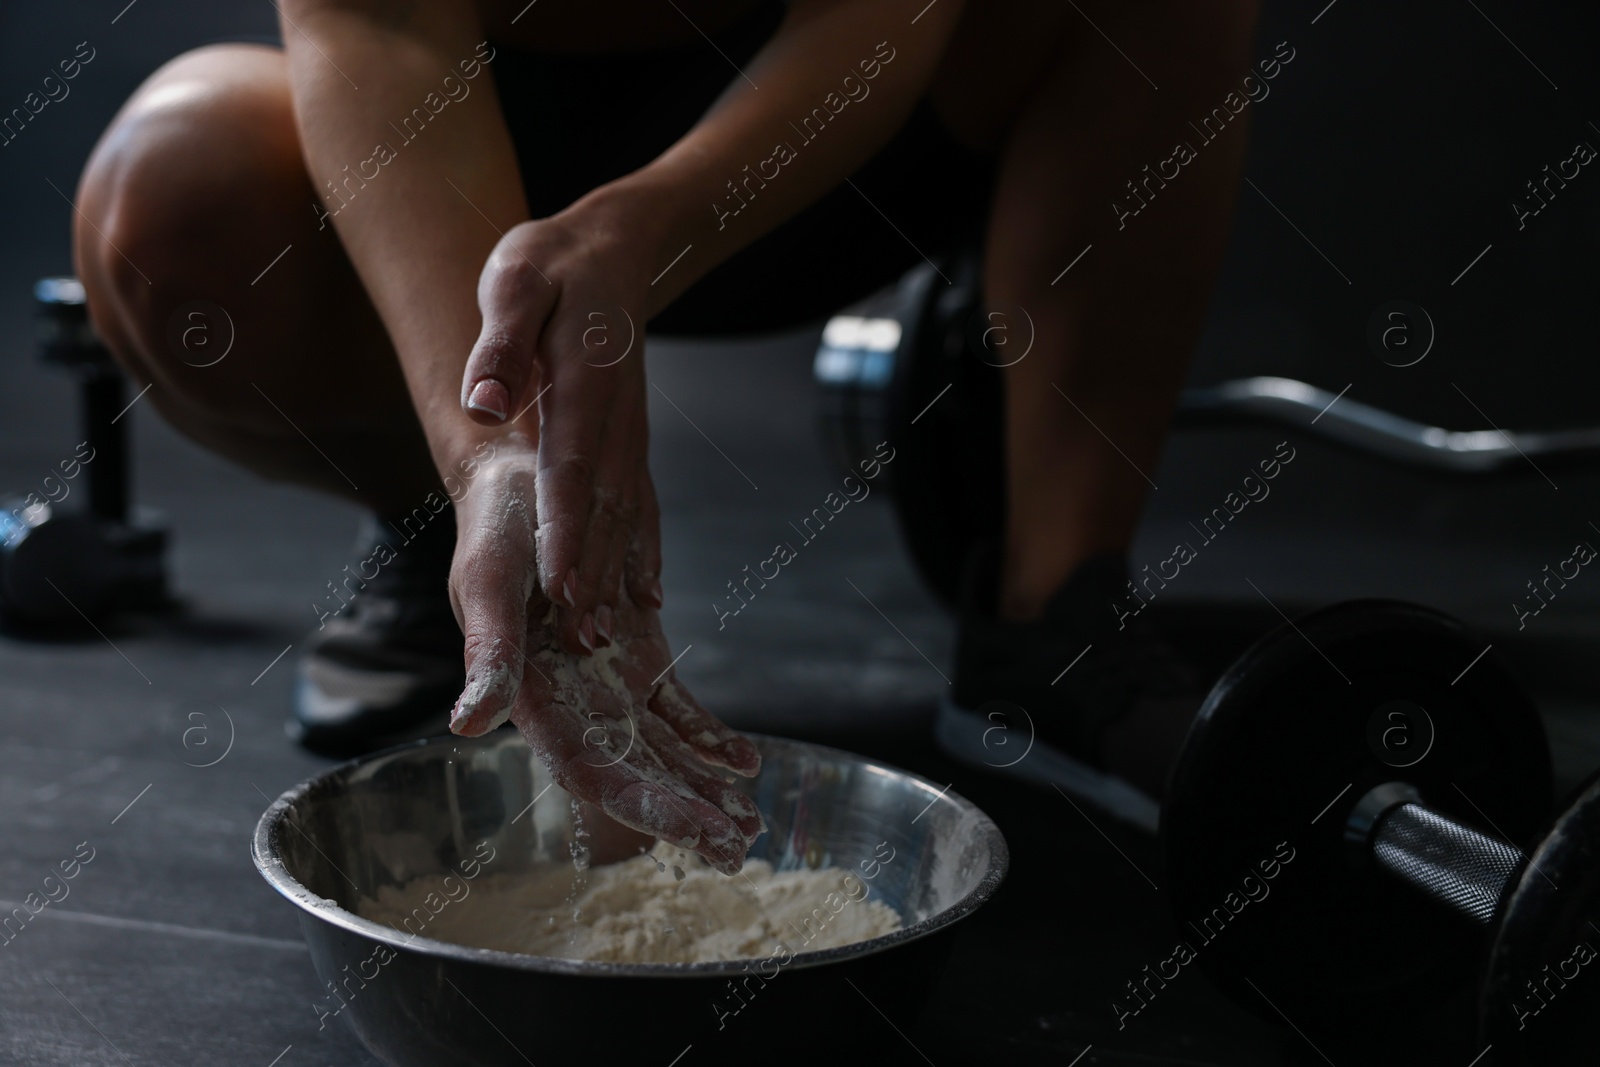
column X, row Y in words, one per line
column 1280, row 752
column 945, row 419
column 59, row 571
column 1554, row 910
column 921, row 386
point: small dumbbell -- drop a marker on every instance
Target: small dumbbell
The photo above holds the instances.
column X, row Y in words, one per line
column 1397, row 757
column 60, row 564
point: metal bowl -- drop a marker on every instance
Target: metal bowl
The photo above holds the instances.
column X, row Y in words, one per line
column 441, row 808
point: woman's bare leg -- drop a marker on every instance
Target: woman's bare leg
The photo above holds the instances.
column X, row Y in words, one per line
column 194, row 189
column 1087, row 410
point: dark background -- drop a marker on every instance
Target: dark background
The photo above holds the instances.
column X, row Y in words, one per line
column 1395, row 141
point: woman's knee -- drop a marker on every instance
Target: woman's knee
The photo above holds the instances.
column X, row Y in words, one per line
column 176, row 183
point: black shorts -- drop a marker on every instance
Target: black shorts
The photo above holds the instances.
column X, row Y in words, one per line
column 581, row 121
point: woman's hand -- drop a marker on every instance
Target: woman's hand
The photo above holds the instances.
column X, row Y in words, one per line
column 564, row 302
column 554, row 580
column 618, row 730
column 615, row 728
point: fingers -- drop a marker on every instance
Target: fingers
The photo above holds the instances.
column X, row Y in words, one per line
column 609, row 564
column 516, row 301
column 682, row 760
column 642, row 567
column 687, row 822
column 613, row 561
column 606, row 522
column 627, row 778
column 709, row 738
column 590, row 452
column 566, row 494
column 491, row 583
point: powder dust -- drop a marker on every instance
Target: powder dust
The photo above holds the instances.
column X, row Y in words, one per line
column 666, row 906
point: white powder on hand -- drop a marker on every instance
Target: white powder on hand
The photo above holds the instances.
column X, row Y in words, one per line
column 665, row 907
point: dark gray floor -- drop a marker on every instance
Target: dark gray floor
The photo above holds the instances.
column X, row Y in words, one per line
column 1395, row 143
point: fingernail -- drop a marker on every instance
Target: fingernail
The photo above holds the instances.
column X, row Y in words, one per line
column 602, row 622
column 462, row 722
column 569, row 588
column 586, row 633
column 488, row 397
column 656, row 593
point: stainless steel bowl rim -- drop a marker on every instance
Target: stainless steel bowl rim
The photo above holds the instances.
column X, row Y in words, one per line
column 277, row 875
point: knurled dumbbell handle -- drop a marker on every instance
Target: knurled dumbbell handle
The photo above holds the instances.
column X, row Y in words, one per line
column 1456, row 865
column 67, row 338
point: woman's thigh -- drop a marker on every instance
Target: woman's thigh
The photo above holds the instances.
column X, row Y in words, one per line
column 196, row 238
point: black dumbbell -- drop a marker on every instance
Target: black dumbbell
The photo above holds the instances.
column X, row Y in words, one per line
column 58, row 565
column 1393, row 758
column 904, row 366
column 920, row 363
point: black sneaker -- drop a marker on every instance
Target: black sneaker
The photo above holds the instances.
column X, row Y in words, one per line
column 1080, row 698
column 385, row 664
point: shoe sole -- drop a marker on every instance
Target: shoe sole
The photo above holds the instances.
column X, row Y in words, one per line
column 962, row 735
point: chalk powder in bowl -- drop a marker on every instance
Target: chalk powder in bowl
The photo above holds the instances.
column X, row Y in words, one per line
column 664, row 907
